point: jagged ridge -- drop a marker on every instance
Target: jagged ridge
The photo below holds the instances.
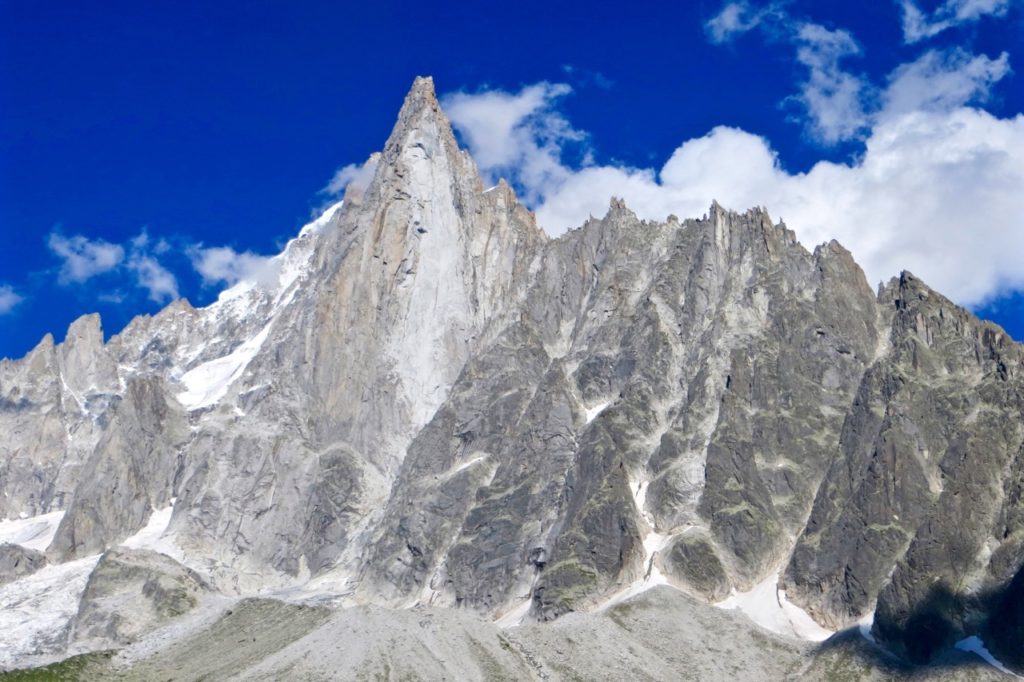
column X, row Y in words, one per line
column 435, row 403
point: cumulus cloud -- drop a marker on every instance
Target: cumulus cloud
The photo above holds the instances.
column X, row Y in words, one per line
column 8, row 298
column 83, row 258
column 222, row 264
column 919, row 25
column 936, row 190
column 354, row 175
column 519, row 135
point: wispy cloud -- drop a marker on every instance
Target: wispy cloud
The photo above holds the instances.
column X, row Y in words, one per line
column 159, row 282
column 585, row 77
column 837, row 104
column 83, row 258
column 737, row 18
column 833, row 101
column 919, row 25
column 9, row 298
column 833, row 98
column 942, row 81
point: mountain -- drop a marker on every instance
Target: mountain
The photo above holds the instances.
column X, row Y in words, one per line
column 429, row 409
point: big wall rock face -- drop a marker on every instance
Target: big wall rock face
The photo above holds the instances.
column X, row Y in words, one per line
column 438, row 401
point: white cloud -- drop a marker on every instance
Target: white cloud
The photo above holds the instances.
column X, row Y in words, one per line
column 935, row 188
column 84, row 258
column 520, row 135
column 840, row 105
column 150, row 275
column 834, row 98
column 919, row 25
column 835, row 102
column 144, row 242
column 736, row 18
column 941, row 81
column 354, row 175
column 587, row 77
column 224, row 264
column 8, row 298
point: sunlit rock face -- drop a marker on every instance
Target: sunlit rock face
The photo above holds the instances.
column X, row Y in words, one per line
column 426, row 400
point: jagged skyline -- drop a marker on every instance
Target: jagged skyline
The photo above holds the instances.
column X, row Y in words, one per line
column 433, row 404
column 150, row 186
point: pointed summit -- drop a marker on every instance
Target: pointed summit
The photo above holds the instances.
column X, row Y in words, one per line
column 420, row 112
column 421, row 93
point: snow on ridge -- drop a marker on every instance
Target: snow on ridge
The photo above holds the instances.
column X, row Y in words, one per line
column 246, row 304
column 321, row 221
column 285, row 266
column 209, row 382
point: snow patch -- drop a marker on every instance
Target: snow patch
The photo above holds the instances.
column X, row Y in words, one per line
column 34, row 532
column 864, row 626
column 592, row 412
column 207, row 383
column 653, row 543
column 766, row 605
column 322, row 221
column 974, row 645
column 35, row 611
column 152, row 535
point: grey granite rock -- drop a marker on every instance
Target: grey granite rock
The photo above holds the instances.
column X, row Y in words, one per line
column 17, row 561
column 130, row 593
column 429, row 401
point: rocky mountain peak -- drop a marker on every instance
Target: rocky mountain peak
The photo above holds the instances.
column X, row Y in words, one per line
column 430, row 401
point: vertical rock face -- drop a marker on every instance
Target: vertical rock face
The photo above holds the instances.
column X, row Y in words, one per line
column 130, row 473
column 427, row 400
column 919, row 512
column 54, row 405
column 692, row 354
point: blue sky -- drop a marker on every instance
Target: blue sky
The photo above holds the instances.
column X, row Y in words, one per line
column 153, row 150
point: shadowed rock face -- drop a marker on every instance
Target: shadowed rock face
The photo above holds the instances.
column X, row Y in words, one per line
column 921, row 510
column 443, row 405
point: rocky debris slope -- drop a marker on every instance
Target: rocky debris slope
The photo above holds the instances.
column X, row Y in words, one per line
column 129, row 593
column 426, row 400
column 659, row 635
